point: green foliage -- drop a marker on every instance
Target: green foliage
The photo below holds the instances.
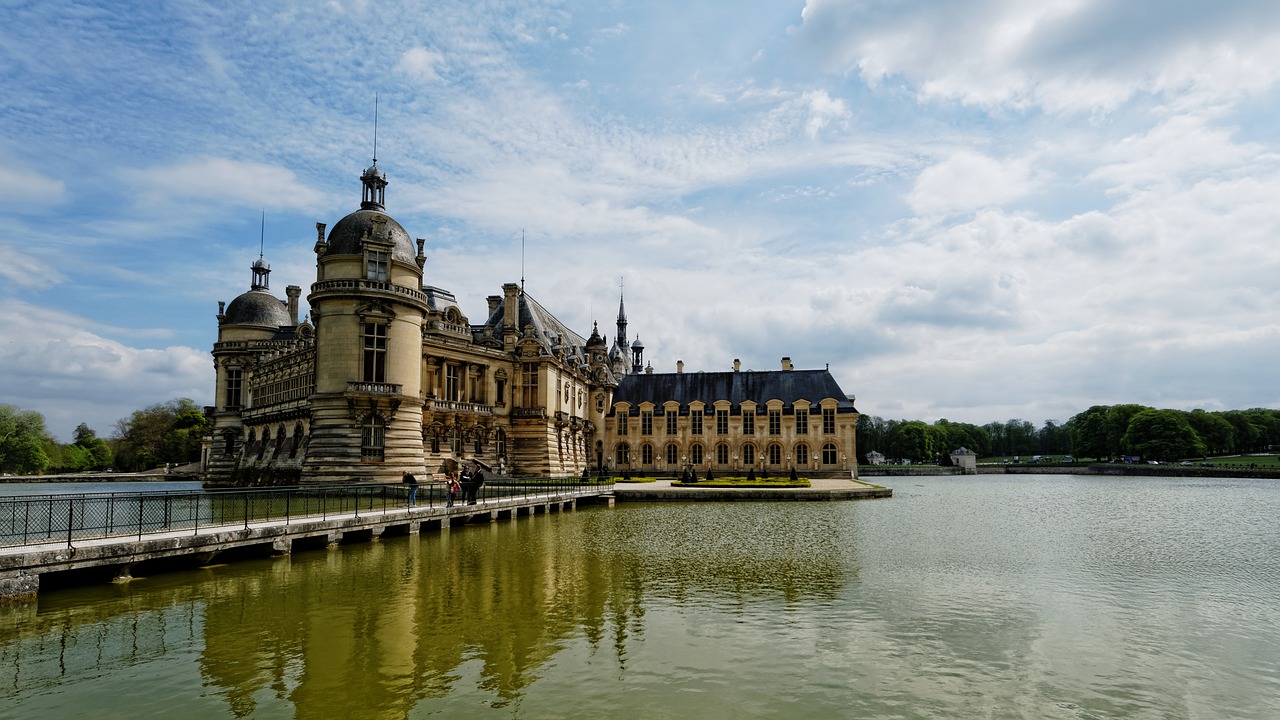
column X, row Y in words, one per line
column 1162, row 435
column 22, row 441
column 165, row 433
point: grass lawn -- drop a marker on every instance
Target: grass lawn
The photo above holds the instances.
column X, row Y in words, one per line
column 742, row 482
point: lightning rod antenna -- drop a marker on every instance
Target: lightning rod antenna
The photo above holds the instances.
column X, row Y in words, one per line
column 521, row 261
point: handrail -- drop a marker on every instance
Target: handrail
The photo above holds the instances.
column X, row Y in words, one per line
column 64, row 519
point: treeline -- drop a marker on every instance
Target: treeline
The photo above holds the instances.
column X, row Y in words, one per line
column 1102, row 432
column 149, row 438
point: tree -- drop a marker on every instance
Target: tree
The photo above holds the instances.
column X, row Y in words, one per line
column 1162, row 435
column 1117, row 424
column 1217, row 434
column 164, row 433
column 22, row 440
column 1089, row 433
column 913, row 441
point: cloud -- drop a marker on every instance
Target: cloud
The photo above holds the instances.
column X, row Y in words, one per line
column 968, row 180
column 421, row 64
column 24, row 271
column 22, row 186
column 222, row 181
column 56, row 364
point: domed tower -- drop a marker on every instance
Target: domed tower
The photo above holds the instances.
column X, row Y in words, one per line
column 247, row 328
column 368, row 308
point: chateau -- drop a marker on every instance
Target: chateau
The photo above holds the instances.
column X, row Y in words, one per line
column 388, row 375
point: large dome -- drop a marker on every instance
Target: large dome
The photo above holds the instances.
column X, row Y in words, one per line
column 257, row 307
column 344, row 238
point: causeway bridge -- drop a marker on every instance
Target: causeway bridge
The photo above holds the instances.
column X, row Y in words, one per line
column 92, row 536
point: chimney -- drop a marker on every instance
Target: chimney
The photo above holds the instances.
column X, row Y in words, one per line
column 494, row 301
column 511, row 312
column 679, row 366
column 737, row 365
column 293, row 292
column 786, row 363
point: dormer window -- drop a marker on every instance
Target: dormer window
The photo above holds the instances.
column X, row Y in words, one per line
column 376, row 265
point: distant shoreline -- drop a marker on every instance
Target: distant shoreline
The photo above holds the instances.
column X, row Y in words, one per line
column 1115, row 469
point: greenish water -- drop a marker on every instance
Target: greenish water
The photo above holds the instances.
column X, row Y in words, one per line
column 989, row 597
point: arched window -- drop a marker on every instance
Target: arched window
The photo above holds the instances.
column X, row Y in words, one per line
column 673, row 454
column 297, row 440
column 748, row 454
column 372, row 439
column 231, row 442
column 622, row 454
column 695, row 453
column 802, row 454
column 280, row 438
column 646, row 454
column 775, row 454
column 722, row 454
column 829, row 454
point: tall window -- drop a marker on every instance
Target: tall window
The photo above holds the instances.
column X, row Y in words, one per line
column 722, row 422
column 748, row 422
column 802, row 455
column 451, row 382
column 695, row 454
column 456, row 442
column 235, row 380
column 672, row 417
column 646, row 423
column 375, row 352
column 775, row 454
column 775, row 422
column 622, row 423
column 722, row 454
column 695, row 422
column 376, row 268
column 749, row 454
column 646, row 454
column 828, row 421
column 622, row 455
column 501, row 443
column 673, row 454
column 372, row 439
column 529, row 384
column 802, row 422
column 829, row 454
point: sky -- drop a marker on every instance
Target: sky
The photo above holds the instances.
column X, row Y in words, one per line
column 976, row 210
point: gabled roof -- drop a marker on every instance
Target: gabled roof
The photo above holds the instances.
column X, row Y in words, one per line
column 736, row 387
column 549, row 331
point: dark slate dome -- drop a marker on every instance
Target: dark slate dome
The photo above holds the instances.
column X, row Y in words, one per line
column 344, row 238
column 257, row 307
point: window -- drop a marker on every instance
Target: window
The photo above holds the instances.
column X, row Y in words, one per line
column 829, row 454
column 646, row 454
column 502, row 392
column 372, row 439
column 622, row 423
column 828, row 421
column 376, row 267
column 748, row 454
column 695, row 422
column 451, row 382
column 235, row 380
column 672, row 417
column 622, row 454
column 802, row 455
column 775, row 454
column 722, row 422
column 501, row 443
column 695, row 453
column 748, row 422
column 722, row 454
column 529, row 384
column 775, row 422
column 646, row 422
column 673, row 454
column 231, row 442
column 802, row 422
column 375, row 352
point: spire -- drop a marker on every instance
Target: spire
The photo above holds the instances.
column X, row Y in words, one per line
column 373, row 179
column 260, row 267
column 621, row 339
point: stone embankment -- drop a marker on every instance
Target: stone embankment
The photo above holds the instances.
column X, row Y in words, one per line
column 661, row 490
column 1118, row 469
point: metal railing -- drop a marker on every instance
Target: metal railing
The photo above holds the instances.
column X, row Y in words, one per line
column 64, row 519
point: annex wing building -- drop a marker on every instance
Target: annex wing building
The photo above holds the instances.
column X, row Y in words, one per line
column 388, row 375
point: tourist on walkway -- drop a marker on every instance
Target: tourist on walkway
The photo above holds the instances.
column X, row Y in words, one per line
column 477, row 481
column 468, row 489
column 412, row 482
column 451, row 488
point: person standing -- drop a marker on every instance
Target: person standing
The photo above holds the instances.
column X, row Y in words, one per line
column 477, row 481
column 412, row 482
column 468, row 490
column 451, row 488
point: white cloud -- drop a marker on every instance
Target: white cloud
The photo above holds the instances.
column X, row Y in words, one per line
column 421, row 64
column 22, row 270
column 968, row 180
column 24, row 186
column 218, row 180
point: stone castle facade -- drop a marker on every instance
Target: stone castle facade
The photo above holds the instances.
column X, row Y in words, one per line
column 388, row 375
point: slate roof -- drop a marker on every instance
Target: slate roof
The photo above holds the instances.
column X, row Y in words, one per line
column 684, row 388
column 258, row 307
column 549, row 331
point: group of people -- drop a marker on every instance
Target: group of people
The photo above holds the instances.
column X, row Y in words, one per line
column 467, row 484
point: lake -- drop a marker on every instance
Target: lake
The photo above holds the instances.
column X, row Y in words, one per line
column 988, row 596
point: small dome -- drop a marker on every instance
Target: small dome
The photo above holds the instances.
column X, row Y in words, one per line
column 373, row 171
column 637, row 345
column 259, row 264
column 258, row 308
column 344, row 238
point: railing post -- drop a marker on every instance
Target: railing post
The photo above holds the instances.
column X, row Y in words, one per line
column 288, row 496
column 71, row 509
column 246, row 511
column 141, row 500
